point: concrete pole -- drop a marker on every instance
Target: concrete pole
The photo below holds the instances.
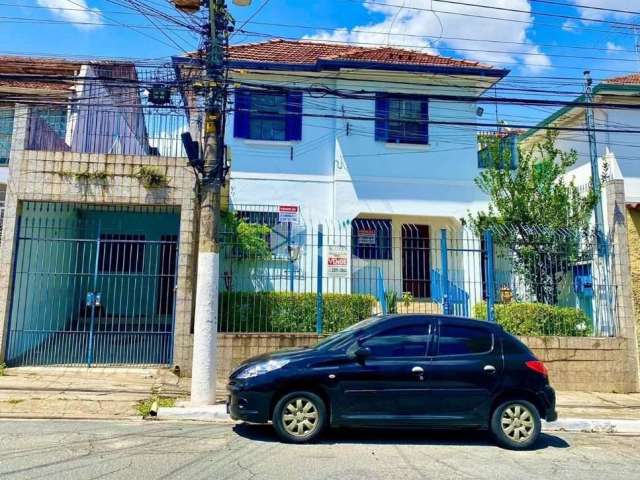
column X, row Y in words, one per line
column 205, row 334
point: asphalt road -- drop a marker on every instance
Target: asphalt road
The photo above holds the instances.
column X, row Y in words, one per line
column 139, row 450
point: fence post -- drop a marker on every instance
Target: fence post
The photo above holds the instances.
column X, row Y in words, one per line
column 490, row 269
column 445, row 272
column 319, row 301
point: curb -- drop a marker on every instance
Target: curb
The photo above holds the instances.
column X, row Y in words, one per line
column 218, row 414
column 209, row 413
column 583, row 425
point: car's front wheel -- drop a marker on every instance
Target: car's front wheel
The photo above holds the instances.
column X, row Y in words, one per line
column 299, row 417
column 516, row 424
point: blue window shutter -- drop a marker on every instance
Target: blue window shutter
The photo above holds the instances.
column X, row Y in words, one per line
column 294, row 116
column 425, row 118
column 382, row 117
column 241, row 114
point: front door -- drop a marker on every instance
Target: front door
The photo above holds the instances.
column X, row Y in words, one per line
column 389, row 385
column 464, row 372
column 416, row 260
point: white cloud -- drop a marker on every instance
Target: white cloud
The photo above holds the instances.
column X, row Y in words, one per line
column 417, row 27
column 612, row 47
column 74, row 11
column 569, row 26
column 607, row 6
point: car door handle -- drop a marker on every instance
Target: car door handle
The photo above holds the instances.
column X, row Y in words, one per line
column 489, row 369
column 417, row 370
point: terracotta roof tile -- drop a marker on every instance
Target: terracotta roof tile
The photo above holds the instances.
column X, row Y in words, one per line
column 632, row 79
column 310, row 52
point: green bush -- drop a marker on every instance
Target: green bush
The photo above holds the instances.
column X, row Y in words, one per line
column 538, row 319
column 290, row 312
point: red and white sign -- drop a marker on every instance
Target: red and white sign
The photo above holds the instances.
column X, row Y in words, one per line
column 288, row 214
column 337, row 261
column 366, row 236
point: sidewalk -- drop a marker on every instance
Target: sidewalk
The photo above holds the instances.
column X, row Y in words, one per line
column 111, row 393
column 82, row 393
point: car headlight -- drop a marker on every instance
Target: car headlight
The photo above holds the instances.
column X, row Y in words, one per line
column 262, row 367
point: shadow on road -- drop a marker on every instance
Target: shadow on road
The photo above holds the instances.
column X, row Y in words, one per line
column 370, row 436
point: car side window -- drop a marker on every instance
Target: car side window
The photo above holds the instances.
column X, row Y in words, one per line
column 403, row 341
column 463, row 340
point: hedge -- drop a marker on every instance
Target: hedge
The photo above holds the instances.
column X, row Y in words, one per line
column 538, row 319
column 290, row 312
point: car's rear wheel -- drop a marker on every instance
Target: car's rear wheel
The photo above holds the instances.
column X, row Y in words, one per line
column 516, row 424
column 299, row 417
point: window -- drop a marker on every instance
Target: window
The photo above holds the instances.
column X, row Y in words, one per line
column 6, row 132
column 402, row 119
column 461, row 340
column 121, row 253
column 405, row 341
column 371, row 238
column 268, row 115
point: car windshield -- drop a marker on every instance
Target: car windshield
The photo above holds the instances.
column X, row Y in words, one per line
column 333, row 340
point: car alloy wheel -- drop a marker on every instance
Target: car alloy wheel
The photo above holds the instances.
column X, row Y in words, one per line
column 300, row 417
column 517, row 423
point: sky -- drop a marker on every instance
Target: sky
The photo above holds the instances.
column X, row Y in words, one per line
column 538, row 40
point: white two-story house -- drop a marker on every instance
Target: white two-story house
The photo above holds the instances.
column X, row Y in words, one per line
column 377, row 145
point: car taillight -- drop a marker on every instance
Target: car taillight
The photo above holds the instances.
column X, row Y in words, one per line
column 538, row 367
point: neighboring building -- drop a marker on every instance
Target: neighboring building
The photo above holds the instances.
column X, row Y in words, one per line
column 383, row 165
column 95, row 260
column 619, row 151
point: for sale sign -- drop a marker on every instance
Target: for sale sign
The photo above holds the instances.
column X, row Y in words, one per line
column 366, row 236
column 289, row 214
column 337, row 261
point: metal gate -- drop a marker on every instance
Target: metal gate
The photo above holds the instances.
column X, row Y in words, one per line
column 93, row 285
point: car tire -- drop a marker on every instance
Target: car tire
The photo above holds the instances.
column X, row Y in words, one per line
column 516, row 424
column 299, row 417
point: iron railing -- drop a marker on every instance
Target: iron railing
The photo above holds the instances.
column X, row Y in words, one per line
column 301, row 278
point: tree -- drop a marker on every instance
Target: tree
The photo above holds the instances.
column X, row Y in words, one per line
column 536, row 215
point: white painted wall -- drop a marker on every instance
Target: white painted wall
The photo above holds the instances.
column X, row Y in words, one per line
column 338, row 171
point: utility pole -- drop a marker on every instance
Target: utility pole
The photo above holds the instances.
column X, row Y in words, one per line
column 203, row 376
column 593, row 156
column 603, row 315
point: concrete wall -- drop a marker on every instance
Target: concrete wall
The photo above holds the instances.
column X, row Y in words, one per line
column 579, row 364
column 36, row 176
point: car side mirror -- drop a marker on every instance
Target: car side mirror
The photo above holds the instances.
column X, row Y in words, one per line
column 361, row 353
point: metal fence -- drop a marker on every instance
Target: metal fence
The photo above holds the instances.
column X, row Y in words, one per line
column 96, row 128
column 285, row 277
column 93, row 285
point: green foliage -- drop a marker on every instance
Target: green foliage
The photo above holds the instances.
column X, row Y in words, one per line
column 151, row 177
column 144, row 406
column 538, row 319
column 3, row 367
column 247, row 240
column 528, row 206
column 290, row 312
column 407, row 298
column 391, row 297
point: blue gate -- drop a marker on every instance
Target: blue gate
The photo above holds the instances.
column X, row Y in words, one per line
column 93, row 285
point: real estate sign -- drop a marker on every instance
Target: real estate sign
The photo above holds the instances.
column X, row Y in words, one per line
column 337, row 261
column 288, row 214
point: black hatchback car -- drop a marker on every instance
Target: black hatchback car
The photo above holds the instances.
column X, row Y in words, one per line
column 428, row 371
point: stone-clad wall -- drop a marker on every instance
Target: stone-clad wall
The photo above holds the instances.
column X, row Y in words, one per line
column 633, row 234
column 50, row 177
column 579, row 364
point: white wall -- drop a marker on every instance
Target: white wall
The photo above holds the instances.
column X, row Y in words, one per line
column 338, row 171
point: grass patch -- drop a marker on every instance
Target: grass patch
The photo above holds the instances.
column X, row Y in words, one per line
column 15, row 401
column 144, row 406
column 3, row 368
